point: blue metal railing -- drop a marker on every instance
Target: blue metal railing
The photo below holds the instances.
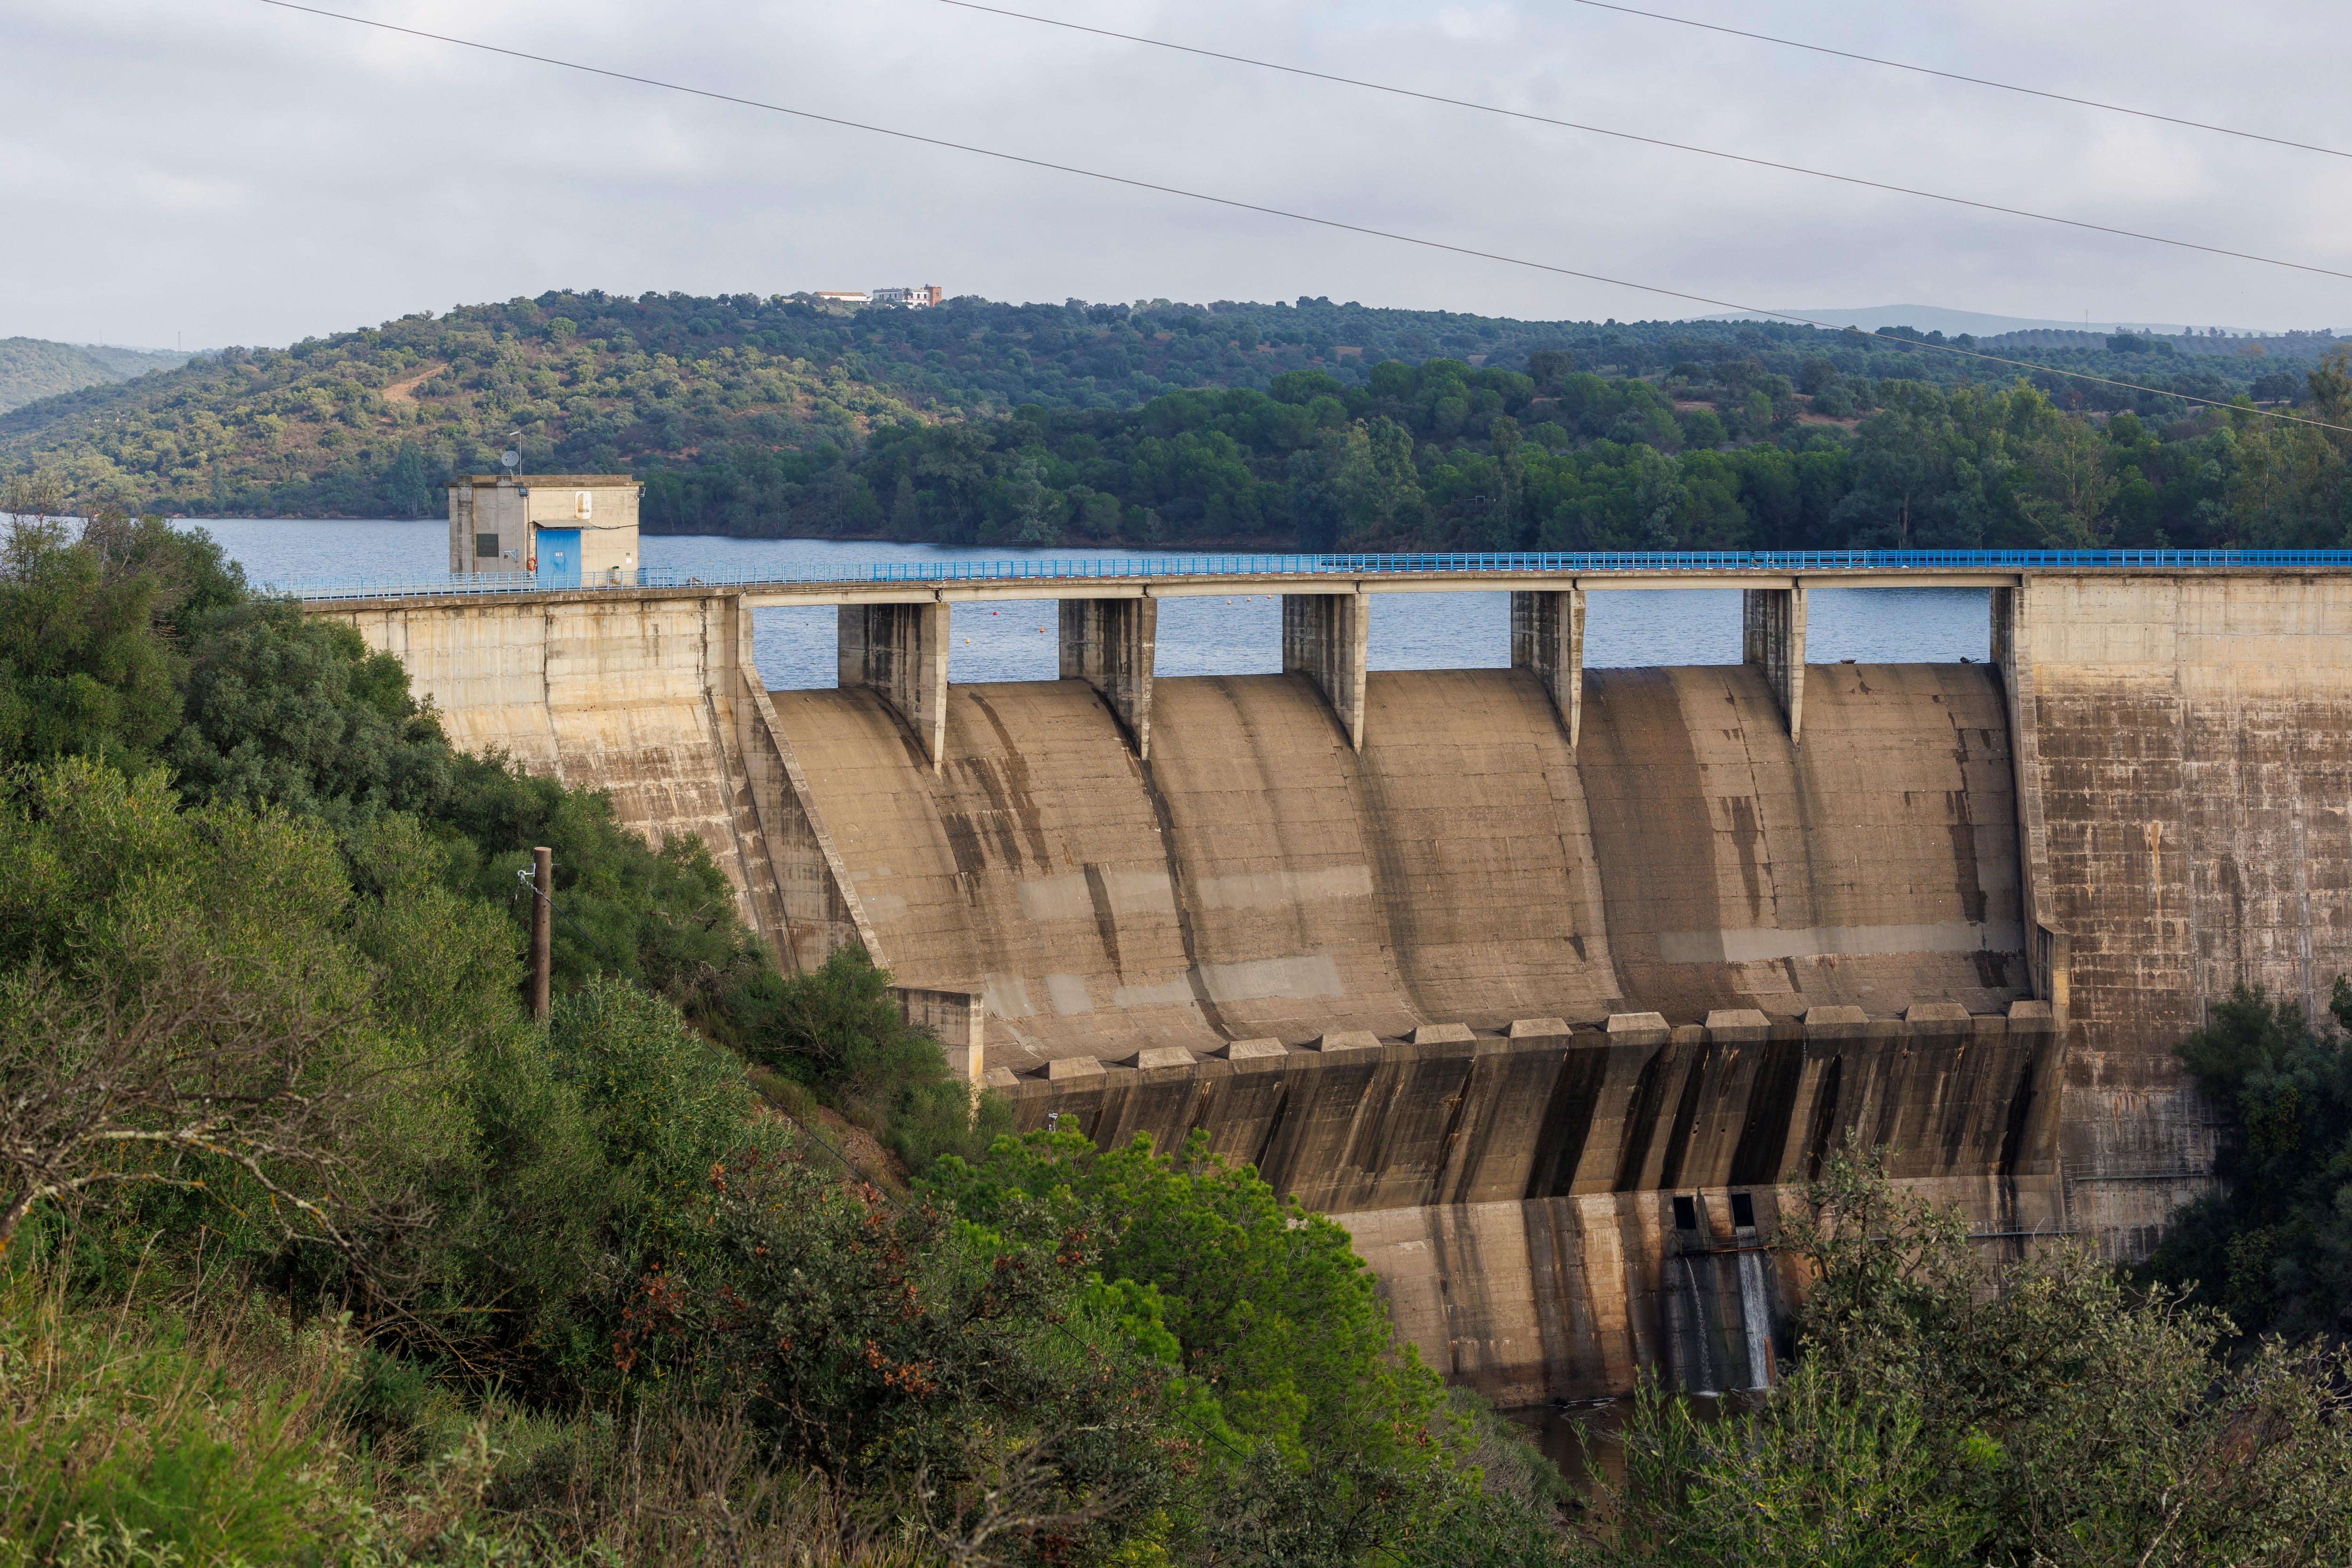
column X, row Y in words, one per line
column 1097, row 568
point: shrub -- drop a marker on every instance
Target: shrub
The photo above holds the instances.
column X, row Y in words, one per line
column 2274, row 1247
column 1947, row 1413
column 1269, row 1303
column 888, row 1343
column 839, row 1032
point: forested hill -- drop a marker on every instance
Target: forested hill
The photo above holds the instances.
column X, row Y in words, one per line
column 33, row 368
column 1309, row 422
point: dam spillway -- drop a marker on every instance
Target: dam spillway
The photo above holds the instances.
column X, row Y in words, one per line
column 1515, row 971
column 1259, row 877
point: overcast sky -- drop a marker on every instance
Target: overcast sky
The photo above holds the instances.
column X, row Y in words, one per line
column 223, row 171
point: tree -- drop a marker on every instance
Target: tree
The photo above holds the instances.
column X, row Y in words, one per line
column 2066, row 481
column 2290, row 487
column 1321, row 480
column 285, row 710
column 1270, row 1305
column 1659, row 496
column 1919, row 472
column 1028, row 496
column 83, row 669
column 407, row 492
column 1503, row 533
column 1550, row 367
column 2274, row 1247
column 178, row 1010
column 1703, row 428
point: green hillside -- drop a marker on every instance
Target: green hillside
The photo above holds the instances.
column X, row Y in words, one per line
column 32, row 367
column 1322, row 424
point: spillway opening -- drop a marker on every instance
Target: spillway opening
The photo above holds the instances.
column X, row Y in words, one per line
column 1889, row 625
column 794, row 648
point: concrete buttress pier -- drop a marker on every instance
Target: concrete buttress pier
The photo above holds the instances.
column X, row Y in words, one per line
column 1547, row 637
column 901, row 651
column 1772, row 638
column 1109, row 644
column 1324, row 637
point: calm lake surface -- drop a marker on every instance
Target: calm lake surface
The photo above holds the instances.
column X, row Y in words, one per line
column 1235, row 637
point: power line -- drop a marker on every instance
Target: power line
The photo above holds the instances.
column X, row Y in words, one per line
column 1954, row 76
column 1646, row 141
column 1240, row 206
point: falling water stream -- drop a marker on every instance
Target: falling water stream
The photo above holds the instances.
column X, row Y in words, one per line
column 1756, row 1310
column 1699, row 1331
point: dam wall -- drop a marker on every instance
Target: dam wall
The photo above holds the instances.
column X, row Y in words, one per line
column 1539, row 979
column 2185, row 767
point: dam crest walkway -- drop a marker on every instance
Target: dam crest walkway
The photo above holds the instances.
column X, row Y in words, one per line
column 1168, row 574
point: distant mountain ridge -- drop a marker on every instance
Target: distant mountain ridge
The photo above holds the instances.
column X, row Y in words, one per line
column 35, row 368
column 1951, row 323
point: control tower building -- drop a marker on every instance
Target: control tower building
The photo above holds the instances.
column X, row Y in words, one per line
column 568, row 530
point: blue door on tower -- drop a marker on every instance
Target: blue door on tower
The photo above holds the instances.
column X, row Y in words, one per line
column 559, row 558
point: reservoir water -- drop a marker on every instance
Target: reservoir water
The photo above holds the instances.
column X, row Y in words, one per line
column 1241, row 634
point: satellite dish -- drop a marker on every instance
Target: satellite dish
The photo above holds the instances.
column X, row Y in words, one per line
column 510, row 458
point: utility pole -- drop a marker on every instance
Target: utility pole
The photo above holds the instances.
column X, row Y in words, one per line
column 542, row 928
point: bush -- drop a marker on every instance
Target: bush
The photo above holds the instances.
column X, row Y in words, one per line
column 886, row 1344
column 1269, row 1303
column 2274, row 1247
column 839, row 1032
column 1946, row 1413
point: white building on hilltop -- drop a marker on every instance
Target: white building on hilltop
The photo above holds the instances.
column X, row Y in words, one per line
column 909, row 298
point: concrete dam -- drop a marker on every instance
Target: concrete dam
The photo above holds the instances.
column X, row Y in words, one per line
column 1540, row 981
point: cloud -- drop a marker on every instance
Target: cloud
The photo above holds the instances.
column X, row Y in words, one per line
column 244, row 173
column 1485, row 24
